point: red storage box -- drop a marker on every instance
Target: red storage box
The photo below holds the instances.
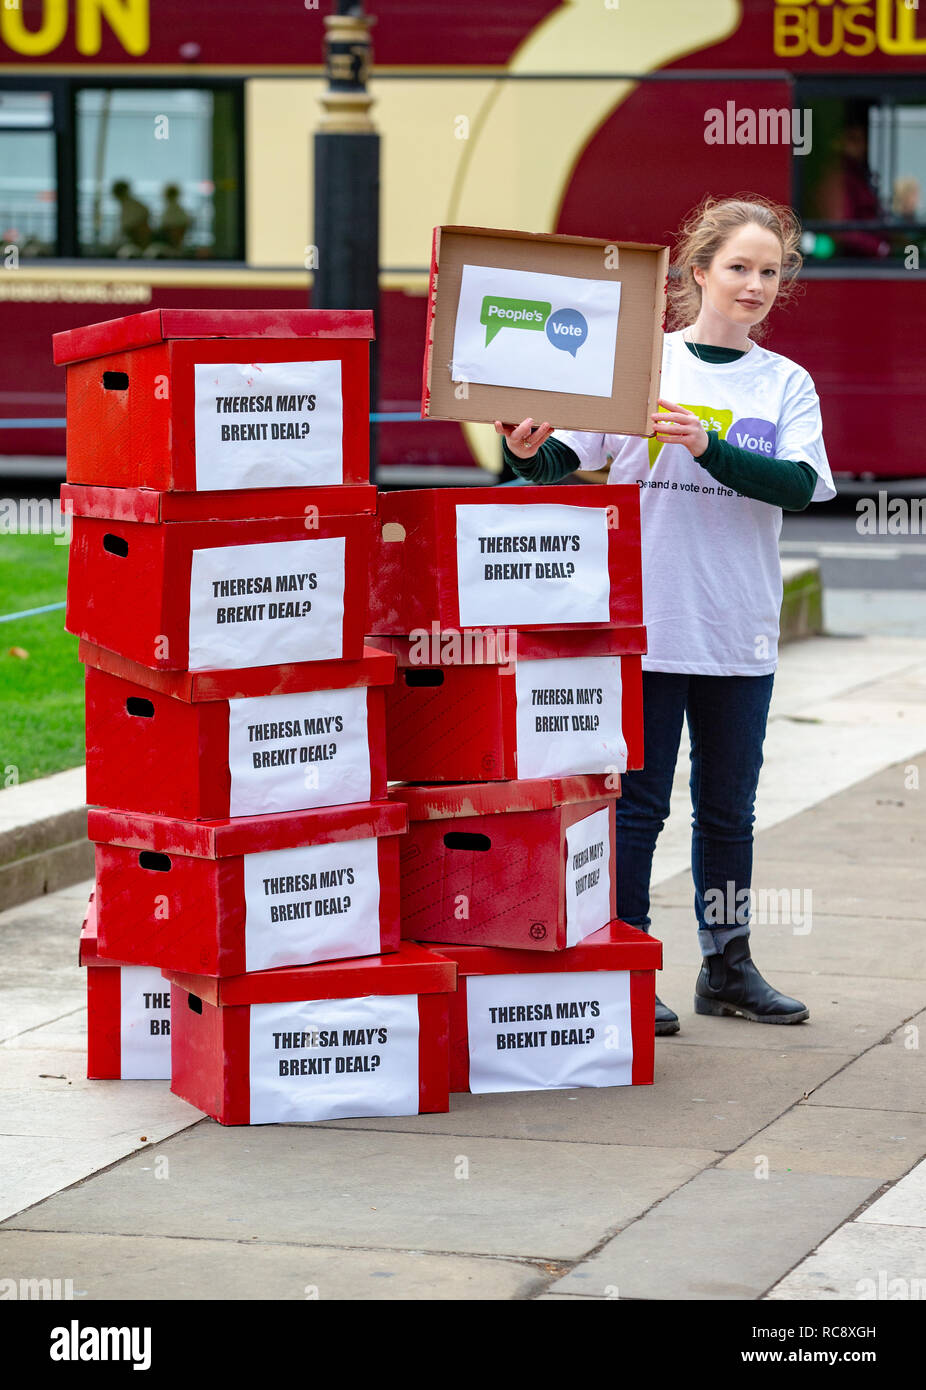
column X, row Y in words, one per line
column 584, row 1017
column 526, row 865
column 128, row 1014
column 197, row 400
column 255, row 893
column 203, row 595
column 324, row 1042
column 528, row 704
column 522, row 557
column 198, row 747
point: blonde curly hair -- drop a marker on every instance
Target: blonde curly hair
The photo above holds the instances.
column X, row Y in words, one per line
column 704, row 232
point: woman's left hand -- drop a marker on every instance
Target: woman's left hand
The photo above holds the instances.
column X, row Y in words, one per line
column 676, row 425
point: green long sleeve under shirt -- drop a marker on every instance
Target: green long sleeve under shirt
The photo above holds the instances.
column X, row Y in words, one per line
column 784, row 483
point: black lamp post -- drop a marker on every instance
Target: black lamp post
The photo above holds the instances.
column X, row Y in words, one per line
column 347, row 180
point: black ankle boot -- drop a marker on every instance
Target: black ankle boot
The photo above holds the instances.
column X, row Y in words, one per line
column 666, row 1020
column 731, row 984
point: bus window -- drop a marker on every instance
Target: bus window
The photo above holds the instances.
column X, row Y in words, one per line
column 862, row 184
column 157, row 174
column 28, row 211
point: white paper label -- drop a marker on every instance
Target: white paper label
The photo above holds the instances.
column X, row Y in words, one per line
column 588, row 876
column 145, row 1022
column 538, row 331
column 268, row 424
column 331, row 1059
column 543, row 563
column 293, row 752
column 569, row 716
column 546, row 1032
column 317, row 902
column 266, row 604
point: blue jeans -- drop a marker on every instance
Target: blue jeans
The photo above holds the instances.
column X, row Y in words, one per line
column 726, row 723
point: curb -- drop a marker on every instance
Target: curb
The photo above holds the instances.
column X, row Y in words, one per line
column 40, row 853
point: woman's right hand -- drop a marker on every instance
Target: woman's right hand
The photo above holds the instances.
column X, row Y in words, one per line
column 524, row 440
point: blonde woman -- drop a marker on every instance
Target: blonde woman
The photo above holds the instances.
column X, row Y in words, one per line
column 738, row 438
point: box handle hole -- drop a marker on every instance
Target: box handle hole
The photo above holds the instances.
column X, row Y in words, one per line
column 465, row 839
column 417, row 676
column 115, row 545
column 149, row 860
column 115, row 381
column 143, row 708
column 195, row 1003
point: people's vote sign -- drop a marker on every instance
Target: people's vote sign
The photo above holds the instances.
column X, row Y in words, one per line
column 293, row 752
column 268, row 424
column 145, row 1023
column 266, row 604
column 537, row 331
column 588, row 875
column 523, row 565
column 569, row 716
column 549, row 1031
column 331, row 1059
column 312, row 903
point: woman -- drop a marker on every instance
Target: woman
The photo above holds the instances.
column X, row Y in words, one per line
column 713, row 481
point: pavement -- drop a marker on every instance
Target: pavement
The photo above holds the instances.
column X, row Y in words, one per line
column 766, row 1163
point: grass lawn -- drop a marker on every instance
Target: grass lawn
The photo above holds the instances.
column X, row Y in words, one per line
column 42, row 696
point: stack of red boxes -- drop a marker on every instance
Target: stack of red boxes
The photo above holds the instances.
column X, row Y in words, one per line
column 515, row 618
column 222, row 522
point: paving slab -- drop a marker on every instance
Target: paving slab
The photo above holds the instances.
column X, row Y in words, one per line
column 149, row 1268
column 835, row 1139
column 314, row 1186
column 888, row 1077
column 35, row 1167
column 724, row 1235
column 859, row 1262
column 904, row 1205
column 704, row 1099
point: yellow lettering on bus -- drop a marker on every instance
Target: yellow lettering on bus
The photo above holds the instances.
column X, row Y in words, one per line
column 128, row 20
column 903, row 39
column 33, row 43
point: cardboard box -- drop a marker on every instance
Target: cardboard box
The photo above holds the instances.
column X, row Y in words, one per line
column 206, row 595
column 324, row 1042
column 524, row 865
column 518, row 704
column 531, row 558
column 128, row 1014
column 255, row 893
column 583, row 1017
column 160, row 743
column 159, row 399
column 639, row 269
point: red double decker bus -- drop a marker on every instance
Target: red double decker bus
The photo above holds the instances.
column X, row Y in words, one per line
column 158, row 153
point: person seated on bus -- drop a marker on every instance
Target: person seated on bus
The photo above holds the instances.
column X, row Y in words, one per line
column 175, row 220
column 134, row 219
column 848, row 194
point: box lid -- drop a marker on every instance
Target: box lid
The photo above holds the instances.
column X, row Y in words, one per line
column 146, row 504
column 219, row 839
column 160, row 325
column 499, row 646
column 375, row 668
column 455, row 799
column 412, row 969
column 616, row 946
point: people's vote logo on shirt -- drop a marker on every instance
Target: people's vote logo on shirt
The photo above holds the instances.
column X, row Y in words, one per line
column 750, row 432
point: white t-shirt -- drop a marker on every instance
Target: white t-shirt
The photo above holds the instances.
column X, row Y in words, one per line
column 711, row 573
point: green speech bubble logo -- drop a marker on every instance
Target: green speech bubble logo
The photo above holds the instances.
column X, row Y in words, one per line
column 498, row 313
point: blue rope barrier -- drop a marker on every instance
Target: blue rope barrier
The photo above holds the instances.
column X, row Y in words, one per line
column 30, row 612
column 378, row 417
